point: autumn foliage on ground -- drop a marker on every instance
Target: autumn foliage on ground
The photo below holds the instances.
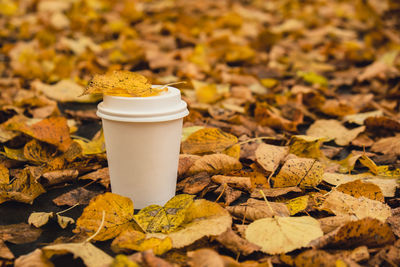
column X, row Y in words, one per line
column 289, row 157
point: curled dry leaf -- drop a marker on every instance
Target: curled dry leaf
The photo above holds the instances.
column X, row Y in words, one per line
column 118, row 216
column 359, row 118
column 255, row 209
column 205, row 257
column 269, row 156
column 229, row 194
column 64, row 221
column 344, row 204
column 24, row 188
column 194, row 184
column 101, row 175
column 358, row 189
column 300, row 172
column 39, row 152
column 59, row 176
column 328, row 224
column 38, row 219
column 283, row 234
column 215, row 164
column 387, row 146
column 275, row 192
column 334, row 130
column 121, row 83
column 235, row 243
column 90, row 255
column 243, row 183
column 185, row 162
column 135, row 240
column 208, row 140
column 155, row 218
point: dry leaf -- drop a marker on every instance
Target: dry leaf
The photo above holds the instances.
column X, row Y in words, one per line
column 283, row 234
column 194, row 184
column 79, row 196
column 344, row 204
column 300, row 172
column 95, row 146
column 33, row 259
column 205, row 257
column 4, row 174
column 315, row 257
column 204, row 218
column 269, row 156
column 24, row 188
column 5, row 252
column 328, row 224
column 64, row 91
column 297, row 204
column 135, row 240
column 387, row 146
column 243, row 183
column 334, row 130
column 20, row 233
column 121, row 83
column 38, row 219
column 235, row 243
column 254, row 209
column 53, row 130
column 39, row 152
column 90, row 255
column 228, row 193
column 118, row 216
column 100, row 175
column 358, row 189
column 215, row 164
column 359, row 118
column 208, row 140
column 64, row 221
column 59, row 176
column 155, row 218
column 185, row 162
column 274, row 192
column 306, row 146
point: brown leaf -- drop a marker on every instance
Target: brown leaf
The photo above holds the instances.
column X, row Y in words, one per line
column 194, row 184
column 153, row 261
column 19, row 233
column 269, row 156
column 60, row 176
column 79, row 196
column 214, row 164
column 228, row 193
column 4, row 174
column 236, row 244
column 328, row 224
column 205, row 257
column 101, row 175
column 315, row 258
column 256, row 209
column 185, row 162
column 379, row 123
column 243, row 183
column 388, row 146
column 275, row 192
column 208, row 140
column 358, row 189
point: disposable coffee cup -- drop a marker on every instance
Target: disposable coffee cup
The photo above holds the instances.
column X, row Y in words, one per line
column 142, row 137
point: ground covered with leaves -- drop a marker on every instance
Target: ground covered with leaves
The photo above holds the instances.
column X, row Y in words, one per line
column 289, row 157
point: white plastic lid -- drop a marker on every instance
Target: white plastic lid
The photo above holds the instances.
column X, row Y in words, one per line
column 163, row 107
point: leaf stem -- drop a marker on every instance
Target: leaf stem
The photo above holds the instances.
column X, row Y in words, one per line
column 266, row 201
column 70, row 208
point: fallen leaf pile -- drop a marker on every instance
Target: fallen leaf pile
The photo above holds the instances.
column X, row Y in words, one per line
column 290, row 155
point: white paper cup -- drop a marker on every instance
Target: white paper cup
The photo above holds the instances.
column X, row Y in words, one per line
column 142, row 136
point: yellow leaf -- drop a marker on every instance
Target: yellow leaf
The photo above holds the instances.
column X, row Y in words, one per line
column 233, row 151
column 24, row 188
column 90, row 255
column 297, row 204
column 203, row 218
column 118, row 216
column 155, row 218
column 123, row 261
column 269, row 156
column 333, row 129
column 4, row 174
column 121, row 83
column 343, row 204
column 14, row 153
column 283, row 234
column 187, row 131
column 206, row 93
column 306, row 146
column 208, row 140
column 215, row 164
column 358, row 189
column 37, row 152
column 135, row 240
column 8, row 8
column 300, row 172
column 95, row 146
column 269, row 82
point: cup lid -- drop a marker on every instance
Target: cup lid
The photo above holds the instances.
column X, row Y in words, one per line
column 166, row 106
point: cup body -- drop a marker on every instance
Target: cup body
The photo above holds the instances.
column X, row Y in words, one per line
column 142, row 145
